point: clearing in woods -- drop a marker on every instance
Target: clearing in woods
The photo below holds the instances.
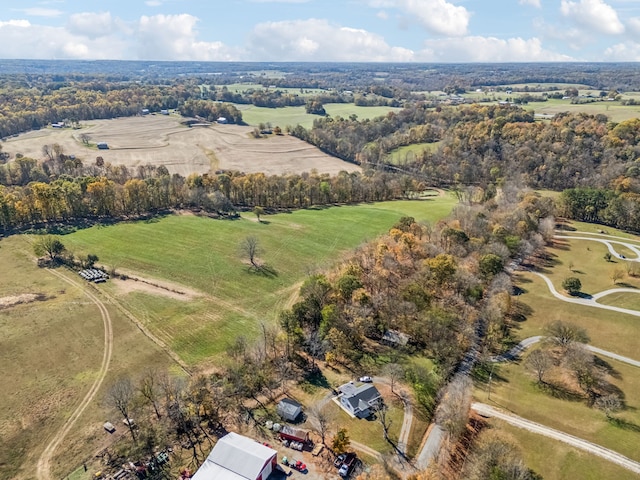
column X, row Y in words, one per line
column 162, row 140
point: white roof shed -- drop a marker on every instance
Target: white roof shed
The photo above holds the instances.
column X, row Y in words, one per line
column 236, row 457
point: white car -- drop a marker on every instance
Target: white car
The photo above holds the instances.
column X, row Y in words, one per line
column 366, row 379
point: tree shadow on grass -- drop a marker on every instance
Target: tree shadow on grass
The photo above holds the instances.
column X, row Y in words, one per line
column 625, row 285
column 624, row 424
column 264, row 270
column 559, row 391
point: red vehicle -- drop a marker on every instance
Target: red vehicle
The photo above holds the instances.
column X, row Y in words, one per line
column 298, row 465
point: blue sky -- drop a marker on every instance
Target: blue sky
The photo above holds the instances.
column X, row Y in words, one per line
column 323, row 30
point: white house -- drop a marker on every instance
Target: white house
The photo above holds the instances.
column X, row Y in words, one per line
column 236, row 457
column 359, row 401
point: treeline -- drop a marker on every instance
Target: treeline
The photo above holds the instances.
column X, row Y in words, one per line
column 488, row 144
column 436, row 285
column 30, row 108
column 616, row 208
column 115, row 191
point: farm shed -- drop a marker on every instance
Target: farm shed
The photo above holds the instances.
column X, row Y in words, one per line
column 236, row 457
column 294, row 434
column 102, row 146
column 289, row 409
column 222, row 120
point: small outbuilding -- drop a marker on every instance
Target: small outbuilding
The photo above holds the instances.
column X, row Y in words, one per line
column 236, row 457
column 289, row 410
column 102, row 146
column 222, row 120
column 293, row 434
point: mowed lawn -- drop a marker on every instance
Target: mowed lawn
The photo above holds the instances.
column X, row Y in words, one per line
column 204, row 254
column 555, row 460
column 514, row 390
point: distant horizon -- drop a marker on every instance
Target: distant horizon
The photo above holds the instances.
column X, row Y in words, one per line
column 367, row 31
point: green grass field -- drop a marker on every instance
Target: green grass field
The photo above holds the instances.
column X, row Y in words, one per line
column 51, row 352
column 204, row 254
column 293, row 116
column 555, row 460
column 244, row 87
column 514, row 389
column 407, row 153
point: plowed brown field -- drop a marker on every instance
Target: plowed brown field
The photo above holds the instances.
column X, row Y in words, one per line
column 162, row 140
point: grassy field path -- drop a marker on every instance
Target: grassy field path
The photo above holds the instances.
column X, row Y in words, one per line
column 610, row 455
column 43, row 469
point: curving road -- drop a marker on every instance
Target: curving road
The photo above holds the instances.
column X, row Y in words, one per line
column 609, row 243
column 590, row 302
column 43, row 469
column 610, row 455
column 527, row 342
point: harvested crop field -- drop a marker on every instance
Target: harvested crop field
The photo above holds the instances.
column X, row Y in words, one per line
column 162, row 140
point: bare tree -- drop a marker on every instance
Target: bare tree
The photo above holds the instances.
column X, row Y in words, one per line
column 121, row 396
column 150, row 389
column 609, row 404
column 250, row 248
column 84, row 138
column 453, row 412
column 384, row 420
column 563, row 333
column 320, row 421
column 617, row 274
column 540, row 361
column 393, row 372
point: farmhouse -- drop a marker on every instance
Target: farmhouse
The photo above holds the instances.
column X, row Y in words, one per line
column 289, row 410
column 359, row 401
column 236, row 457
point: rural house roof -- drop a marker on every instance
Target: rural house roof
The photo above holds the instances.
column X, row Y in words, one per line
column 362, row 396
column 235, row 457
column 289, row 409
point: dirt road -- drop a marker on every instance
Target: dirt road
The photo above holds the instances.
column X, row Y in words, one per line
column 610, row 455
column 43, row 469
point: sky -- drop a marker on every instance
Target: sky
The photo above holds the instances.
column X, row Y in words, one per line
column 323, row 30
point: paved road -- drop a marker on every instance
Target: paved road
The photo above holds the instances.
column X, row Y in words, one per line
column 609, row 243
column 610, row 455
column 589, row 302
column 431, row 447
column 527, row 342
column 43, row 469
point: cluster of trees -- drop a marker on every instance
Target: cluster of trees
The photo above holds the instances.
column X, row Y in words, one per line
column 210, row 111
column 564, row 364
column 38, row 103
column 485, row 144
column 618, row 208
column 435, row 284
column 31, row 193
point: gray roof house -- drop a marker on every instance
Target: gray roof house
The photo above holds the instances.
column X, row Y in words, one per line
column 359, row 401
column 289, row 409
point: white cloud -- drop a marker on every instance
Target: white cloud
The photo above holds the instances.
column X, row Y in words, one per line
column 533, row 3
column 15, row 23
column 21, row 39
column 41, row 12
column 436, row 16
column 487, row 49
column 634, row 25
column 174, row 37
column 593, row 14
column 92, row 25
column 623, row 52
column 318, row 40
column 382, row 15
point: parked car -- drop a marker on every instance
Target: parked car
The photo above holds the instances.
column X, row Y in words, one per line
column 339, row 460
column 366, row 379
column 347, row 467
